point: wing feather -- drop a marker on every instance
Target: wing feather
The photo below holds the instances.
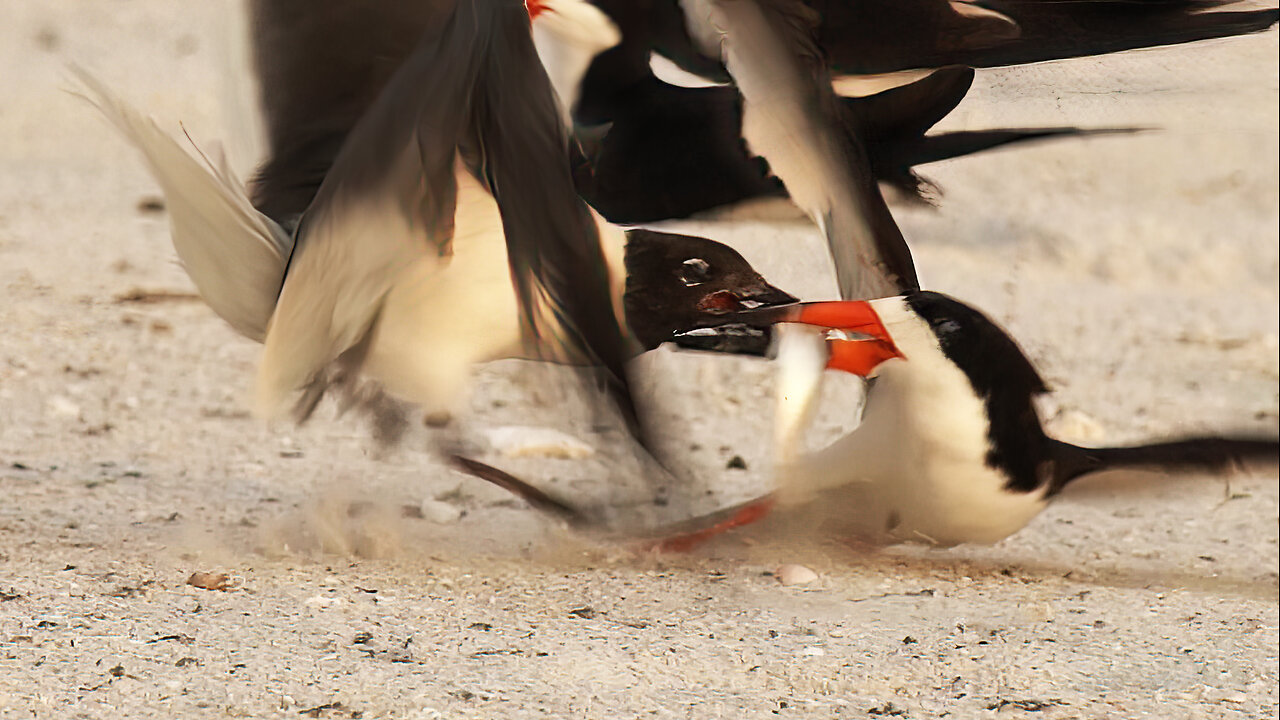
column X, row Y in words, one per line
column 234, row 254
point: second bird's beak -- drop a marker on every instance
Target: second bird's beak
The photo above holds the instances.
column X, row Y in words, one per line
column 857, row 340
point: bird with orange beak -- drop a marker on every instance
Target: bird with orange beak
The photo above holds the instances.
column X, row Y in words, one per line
column 950, row 448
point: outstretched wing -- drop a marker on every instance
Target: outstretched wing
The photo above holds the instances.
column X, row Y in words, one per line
column 791, row 118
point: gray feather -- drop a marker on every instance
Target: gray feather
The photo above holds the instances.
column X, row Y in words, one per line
column 234, row 254
column 791, row 118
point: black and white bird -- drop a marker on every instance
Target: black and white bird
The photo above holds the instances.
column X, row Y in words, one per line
column 663, row 151
column 950, row 448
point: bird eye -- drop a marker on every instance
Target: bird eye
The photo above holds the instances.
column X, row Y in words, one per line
column 948, row 327
column 693, row 271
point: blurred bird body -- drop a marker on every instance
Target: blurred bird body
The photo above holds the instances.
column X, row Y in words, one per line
column 402, row 268
column 436, row 314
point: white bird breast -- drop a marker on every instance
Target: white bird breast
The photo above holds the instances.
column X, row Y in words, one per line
column 915, row 469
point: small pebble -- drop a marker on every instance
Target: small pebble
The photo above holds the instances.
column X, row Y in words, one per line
column 1079, row 426
column 792, row 574
column 439, row 511
column 62, row 407
column 437, row 419
column 151, row 204
column 219, row 582
column 517, row 441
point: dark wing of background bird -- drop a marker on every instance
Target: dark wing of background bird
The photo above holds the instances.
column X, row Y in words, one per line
column 879, row 36
column 671, row 152
column 1053, row 29
column 1047, row 30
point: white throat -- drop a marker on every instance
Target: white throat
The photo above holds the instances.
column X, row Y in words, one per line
column 915, row 469
column 568, row 35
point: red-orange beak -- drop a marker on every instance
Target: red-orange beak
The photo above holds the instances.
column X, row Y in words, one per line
column 860, row 354
column 535, row 8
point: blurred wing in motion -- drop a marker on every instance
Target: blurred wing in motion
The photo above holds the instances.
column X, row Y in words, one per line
column 234, row 254
column 791, row 118
column 320, row 64
column 380, row 272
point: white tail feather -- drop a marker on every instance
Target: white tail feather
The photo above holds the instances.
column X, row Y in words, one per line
column 235, row 255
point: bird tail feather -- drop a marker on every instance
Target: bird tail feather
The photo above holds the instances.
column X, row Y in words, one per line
column 1198, row 454
column 234, row 254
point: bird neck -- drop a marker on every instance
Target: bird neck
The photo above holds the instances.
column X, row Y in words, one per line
column 567, row 43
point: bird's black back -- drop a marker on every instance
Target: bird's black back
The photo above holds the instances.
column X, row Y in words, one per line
column 1002, row 376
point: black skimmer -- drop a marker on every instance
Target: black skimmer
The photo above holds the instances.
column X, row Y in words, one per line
column 873, row 37
column 401, row 266
column 446, row 232
column 695, row 134
column 790, row 117
column 950, row 448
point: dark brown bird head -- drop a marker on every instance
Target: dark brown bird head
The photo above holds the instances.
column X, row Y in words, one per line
column 681, row 283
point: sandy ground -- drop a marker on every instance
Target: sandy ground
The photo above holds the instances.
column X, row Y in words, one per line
column 1140, row 272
